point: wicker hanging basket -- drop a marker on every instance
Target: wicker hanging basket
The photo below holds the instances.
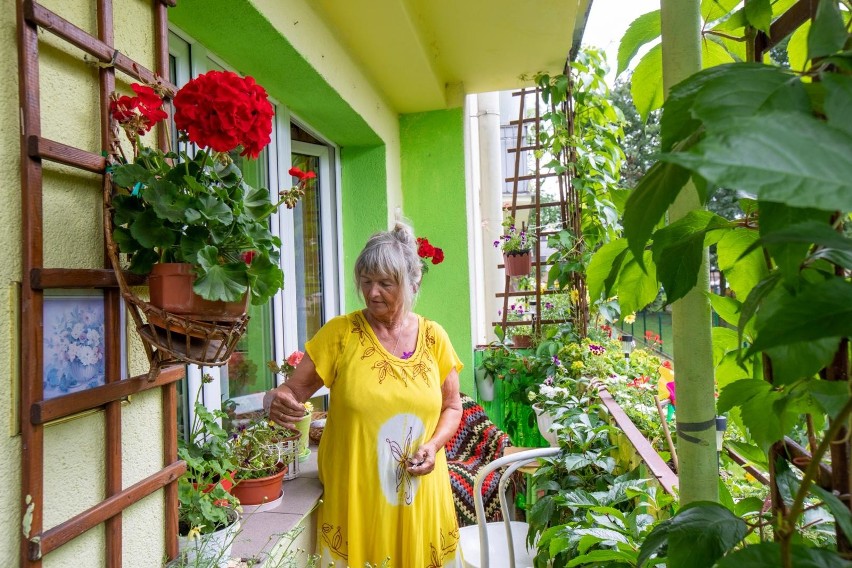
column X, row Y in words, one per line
column 171, row 338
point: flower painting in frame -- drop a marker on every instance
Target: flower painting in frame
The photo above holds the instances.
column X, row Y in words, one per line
column 74, row 343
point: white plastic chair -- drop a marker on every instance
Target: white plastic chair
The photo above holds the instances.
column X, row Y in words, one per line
column 493, row 547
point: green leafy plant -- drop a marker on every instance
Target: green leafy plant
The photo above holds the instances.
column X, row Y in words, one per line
column 513, row 240
column 198, row 208
column 258, row 448
column 204, row 503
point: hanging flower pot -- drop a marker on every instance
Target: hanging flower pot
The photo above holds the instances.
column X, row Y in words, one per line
column 517, row 263
column 484, row 384
column 170, row 286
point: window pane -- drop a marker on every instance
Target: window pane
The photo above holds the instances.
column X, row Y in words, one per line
column 308, row 251
column 246, row 371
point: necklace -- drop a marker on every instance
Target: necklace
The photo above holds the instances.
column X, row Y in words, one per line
column 400, row 327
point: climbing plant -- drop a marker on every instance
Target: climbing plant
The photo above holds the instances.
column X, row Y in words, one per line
column 783, row 138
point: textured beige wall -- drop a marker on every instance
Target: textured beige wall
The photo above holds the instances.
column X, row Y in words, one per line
column 73, row 238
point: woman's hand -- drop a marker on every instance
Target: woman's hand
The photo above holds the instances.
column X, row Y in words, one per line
column 422, row 461
column 285, row 408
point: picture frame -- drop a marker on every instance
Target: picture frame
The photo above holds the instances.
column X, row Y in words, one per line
column 74, row 341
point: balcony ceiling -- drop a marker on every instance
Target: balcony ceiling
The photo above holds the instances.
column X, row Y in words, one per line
column 422, row 54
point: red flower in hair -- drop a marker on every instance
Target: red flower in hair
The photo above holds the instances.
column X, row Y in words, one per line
column 424, row 249
column 438, row 257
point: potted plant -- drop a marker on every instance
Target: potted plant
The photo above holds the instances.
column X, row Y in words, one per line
column 519, row 335
column 285, row 370
column 208, row 516
column 515, row 245
column 195, row 209
column 262, row 450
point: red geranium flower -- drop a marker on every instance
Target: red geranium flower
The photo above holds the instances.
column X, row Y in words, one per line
column 438, row 256
column 248, row 256
column 297, row 173
column 424, row 249
column 295, row 358
column 138, row 114
column 221, row 110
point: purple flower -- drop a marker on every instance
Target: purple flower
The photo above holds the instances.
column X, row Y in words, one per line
column 548, row 305
column 596, row 349
column 556, row 360
column 497, row 243
column 549, row 380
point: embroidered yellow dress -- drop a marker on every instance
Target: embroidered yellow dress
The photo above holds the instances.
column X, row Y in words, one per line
column 382, row 409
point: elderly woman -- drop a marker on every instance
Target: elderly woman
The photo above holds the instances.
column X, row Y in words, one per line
column 393, row 377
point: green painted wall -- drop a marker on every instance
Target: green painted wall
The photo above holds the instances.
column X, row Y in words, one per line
column 250, row 44
column 364, row 207
column 433, row 188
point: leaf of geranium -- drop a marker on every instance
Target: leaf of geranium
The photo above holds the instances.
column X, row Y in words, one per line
column 759, row 14
column 646, row 83
column 257, row 203
column 818, row 311
column 193, row 240
column 126, row 208
column 679, row 248
column 742, row 273
column 828, row 31
column 128, row 175
column 151, row 231
column 212, row 208
column 125, row 241
column 637, row 288
column 757, row 154
column 657, row 189
column 605, row 263
column 226, row 282
column 264, row 278
column 640, row 31
column 838, row 100
column 800, row 360
column 142, row 261
column 167, row 200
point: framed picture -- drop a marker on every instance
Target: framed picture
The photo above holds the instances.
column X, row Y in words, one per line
column 74, row 342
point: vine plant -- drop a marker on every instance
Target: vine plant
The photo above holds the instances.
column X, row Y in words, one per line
column 784, row 140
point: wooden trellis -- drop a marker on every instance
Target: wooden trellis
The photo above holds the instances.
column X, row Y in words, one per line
column 38, row 542
column 568, row 202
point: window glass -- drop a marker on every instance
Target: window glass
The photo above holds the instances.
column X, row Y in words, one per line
column 308, row 250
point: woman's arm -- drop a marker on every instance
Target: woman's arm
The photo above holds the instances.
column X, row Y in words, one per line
column 423, row 460
column 285, row 404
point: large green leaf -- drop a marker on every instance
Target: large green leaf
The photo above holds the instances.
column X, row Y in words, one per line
column 731, row 369
column 838, row 100
column 727, row 308
column 604, row 265
column 714, row 53
column 757, row 154
column 597, row 557
column 832, row 396
column 797, row 47
column 679, row 249
column 712, row 10
column 778, row 217
column 128, row 175
column 828, row 31
column 657, row 189
column 800, row 360
column 769, row 554
column 742, row 273
column 833, row 246
column 724, row 341
column 754, row 300
column 818, row 311
column 757, row 400
column 643, row 29
column 654, row 542
column 150, row 231
column 167, row 199
column 265, row 278
column 842, row 515
column 636, row 287
column 213, row 209
column 701, row 533
column 646, row 83
column 759, row 14
column 226, row 282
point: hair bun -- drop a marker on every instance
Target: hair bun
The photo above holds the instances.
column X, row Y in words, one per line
column 403, row 233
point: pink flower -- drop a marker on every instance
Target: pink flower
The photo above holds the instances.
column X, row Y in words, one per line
column 295, row 358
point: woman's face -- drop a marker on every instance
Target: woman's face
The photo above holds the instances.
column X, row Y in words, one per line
column 382, row 295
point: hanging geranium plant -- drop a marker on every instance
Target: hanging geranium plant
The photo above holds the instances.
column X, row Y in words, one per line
column 195, row 207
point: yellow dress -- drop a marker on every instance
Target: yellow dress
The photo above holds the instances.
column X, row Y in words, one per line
column 382, row 408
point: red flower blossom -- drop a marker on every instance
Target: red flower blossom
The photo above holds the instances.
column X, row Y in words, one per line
column 438, row 256
column 667, row 364
column 138, row 114
column 248, row 256
column 221, row 110
column 424, row 249
column 295, row 358
column 297, row 173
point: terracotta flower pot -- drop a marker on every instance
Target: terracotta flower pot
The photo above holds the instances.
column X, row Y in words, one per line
column 170, row 286
column 517, row 263
column 521, row 341
column 259, row 491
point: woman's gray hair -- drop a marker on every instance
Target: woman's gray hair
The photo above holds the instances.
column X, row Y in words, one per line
column 393, row 254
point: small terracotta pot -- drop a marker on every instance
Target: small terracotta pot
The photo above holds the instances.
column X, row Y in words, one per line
column 259, row 491
column 517, row 263
column 522, row 341
column 170, row 286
